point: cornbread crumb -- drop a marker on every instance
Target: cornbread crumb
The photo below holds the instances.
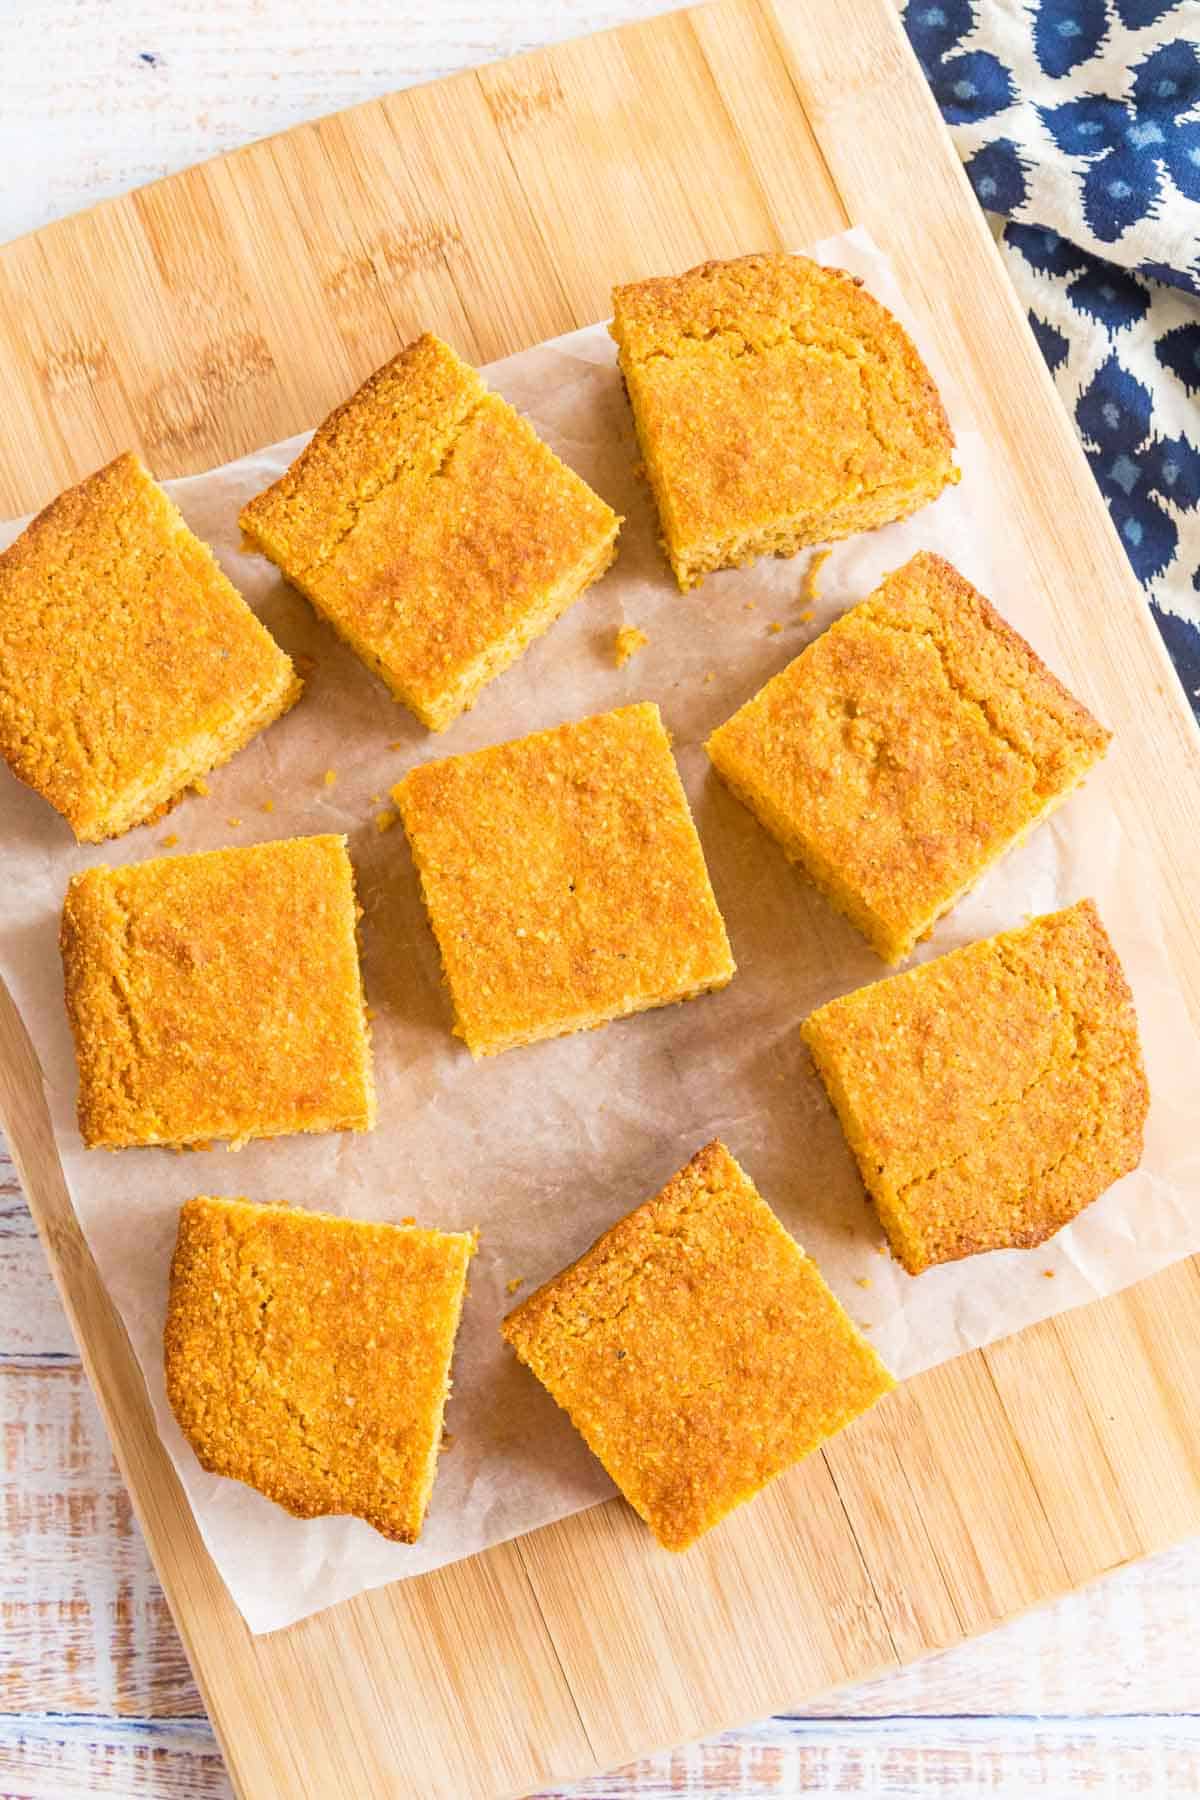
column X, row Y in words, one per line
column 309, row 1356
column 777, row 405
column 330, row 777
column 693, row 1407
column 1049, row 1274
column 807, row 617
column 710, row 676
column 268, row 806
column 396, row 744
column 564, row 880
column 386, row 819
column 129, row 663
column 905, row 750
column 518, row 1281
column 200, row 786
column 170, row 841
column 816, row 563
column 629, row 641
column 432, row 528
column 864, row 1281
column 218, row 995
column 991, row 1095
column 233, row 821
column 774, row 627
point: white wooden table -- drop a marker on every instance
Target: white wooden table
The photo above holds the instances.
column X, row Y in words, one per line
column 1099, row 1695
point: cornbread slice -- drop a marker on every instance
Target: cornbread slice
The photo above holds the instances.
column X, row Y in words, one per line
column 564, row 880
column 777, row 404
column 129, row 664
column 218, row 996
column 309, row 1356
column 697, row 1350
column 433, row 529
column 993, row 1094
column 905, row 750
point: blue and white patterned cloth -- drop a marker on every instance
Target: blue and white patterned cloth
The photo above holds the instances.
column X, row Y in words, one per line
column 1079, row 122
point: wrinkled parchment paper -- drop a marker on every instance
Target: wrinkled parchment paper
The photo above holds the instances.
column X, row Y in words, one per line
column 544, row 1147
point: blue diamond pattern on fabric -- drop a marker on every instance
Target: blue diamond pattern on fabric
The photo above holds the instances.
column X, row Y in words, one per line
column 997, row 174
column 1179, row 351
column 1068, row 32
column 1079, row 122
column 1054, row 344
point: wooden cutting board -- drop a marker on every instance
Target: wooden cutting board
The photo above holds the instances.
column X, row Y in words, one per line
column 235, row 304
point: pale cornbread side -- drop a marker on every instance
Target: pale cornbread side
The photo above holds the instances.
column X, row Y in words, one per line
column 697, row 1350
column 905, row 750
column 129, row 664
column 992, row 1094
column 564, row 880
column 433, row 529
column 218, row 996
column 777, row 404
column 309, row 1355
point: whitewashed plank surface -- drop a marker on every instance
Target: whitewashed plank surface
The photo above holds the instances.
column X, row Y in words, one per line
column 1097, row 1696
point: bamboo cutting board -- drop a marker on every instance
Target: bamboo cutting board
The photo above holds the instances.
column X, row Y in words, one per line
column 235, row 304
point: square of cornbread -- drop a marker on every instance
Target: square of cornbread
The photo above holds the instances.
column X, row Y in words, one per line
column 564, row 880
column 309, row 1356
column 777, row 404
column 432, row 528
column 905, row 750
column 129, row 664
column 218, row 996
column 993, row 1094
column 697, row 1349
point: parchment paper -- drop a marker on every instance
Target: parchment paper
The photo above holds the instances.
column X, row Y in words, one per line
column 545, row 1147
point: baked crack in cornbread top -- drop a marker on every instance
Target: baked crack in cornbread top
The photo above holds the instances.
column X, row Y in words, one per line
column 564, row 879
column 129, row 664
column 777, row 404
column 906, row 749
column 218, row 996
column 697, row 1349
column 309, row 1356
column 433, row 528
column 992, row 1094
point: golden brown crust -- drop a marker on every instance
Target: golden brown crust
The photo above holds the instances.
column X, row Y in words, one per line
column 434, row 530
column 309, row 1356
column 906, row 749
column 129, row 664
column 697, row 1349
column 218, row 996
column 564, row 879
column 992, row 1094
column 777, row 404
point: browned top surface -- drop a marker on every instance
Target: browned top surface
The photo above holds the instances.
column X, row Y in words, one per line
column 564, row 878
column 121, row 643
column 771, row 388
column 499, row 208
column 697, row 1349
column 308, row 1355
column 427, row 520
column 906, row 747
column 991, row 1094
column 218, row 995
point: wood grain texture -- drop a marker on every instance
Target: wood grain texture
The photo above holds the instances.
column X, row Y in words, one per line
column 170, row 320
column 86, row 1638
